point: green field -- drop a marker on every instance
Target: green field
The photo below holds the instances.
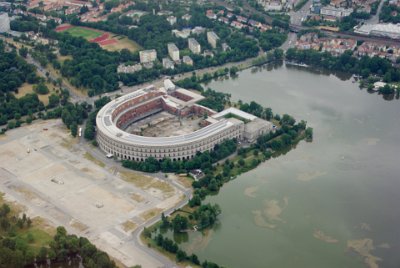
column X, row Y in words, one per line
column 84, row 32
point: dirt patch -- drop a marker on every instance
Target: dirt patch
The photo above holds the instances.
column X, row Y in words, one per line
column 91, row 158
column 129, row 226
column 137, row 197
column 28, row 89
column 137, row 179
column 147, row 215
column 79, row 226
column 44, row 225
column 68, row 143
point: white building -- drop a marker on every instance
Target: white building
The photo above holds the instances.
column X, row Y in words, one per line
column 212, row 39
column 127, row 69
column 173, row 51
column 168, row 63
column 171, row 20
column 338, row 12
column 148, row 55
column 381, row 29
column 187, row 60
column 4, row 23
column 194, row 46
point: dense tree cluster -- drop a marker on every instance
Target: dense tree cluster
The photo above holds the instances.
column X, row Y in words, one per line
column 215, row 100
column 65, row 245
column 14, row 71
column 18, row 250
column 390, row 13
column 14, row 108
column 90, row 66
column 202, row 160
column 271, row 39
column 365, row 66
column 25, row 24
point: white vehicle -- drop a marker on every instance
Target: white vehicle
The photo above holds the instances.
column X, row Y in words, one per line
column 80, row 132
column 109, row 155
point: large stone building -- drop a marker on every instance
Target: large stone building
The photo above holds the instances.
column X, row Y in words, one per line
column 194, row 46
column 147, row 56
column 173, row 51
column 212, row 39
column 117, row 115
column 4, row 23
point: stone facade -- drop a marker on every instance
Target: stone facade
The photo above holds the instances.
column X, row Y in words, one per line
column 123, row 111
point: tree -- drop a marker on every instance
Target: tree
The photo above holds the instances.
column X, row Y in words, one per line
column 54, row 101
column 41, row 89
column 74, row 129
column 179, row 223
column 180, row 255
column 23, row 51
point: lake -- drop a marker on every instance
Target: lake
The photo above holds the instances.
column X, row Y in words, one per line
column 329, row 203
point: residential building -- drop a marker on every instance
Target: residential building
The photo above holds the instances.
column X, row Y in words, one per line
column 4, row 23
column 184, row 33
column 194, row 46
column 208, row 53
column 212, row 39
column 186, row 17
column 187, row 60
column 173, row 51
column 129, row 68
column 168, row 63
column 211, row 15
column 198, row 30
column 147, row 55
column 171, row 20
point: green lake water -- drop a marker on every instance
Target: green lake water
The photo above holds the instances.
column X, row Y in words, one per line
column 330, row 203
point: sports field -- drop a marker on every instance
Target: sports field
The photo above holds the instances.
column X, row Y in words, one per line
column 106, row 40
column 84, row 32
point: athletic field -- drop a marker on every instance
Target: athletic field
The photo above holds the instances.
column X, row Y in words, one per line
column 106, row 40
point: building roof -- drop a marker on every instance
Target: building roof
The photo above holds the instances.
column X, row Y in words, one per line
column 235, row 111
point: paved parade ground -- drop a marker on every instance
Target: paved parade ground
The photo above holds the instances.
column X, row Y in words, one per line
column 55, row 177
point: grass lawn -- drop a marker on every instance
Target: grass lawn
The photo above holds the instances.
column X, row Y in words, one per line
column 122, row 43
column 40, row 238
column 84, row 32
column 28, row 88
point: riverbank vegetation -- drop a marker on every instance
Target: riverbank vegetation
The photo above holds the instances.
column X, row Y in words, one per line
column 369, row 69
